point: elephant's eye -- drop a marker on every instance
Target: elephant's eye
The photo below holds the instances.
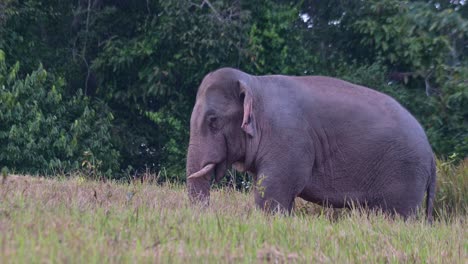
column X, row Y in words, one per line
column 213, row 122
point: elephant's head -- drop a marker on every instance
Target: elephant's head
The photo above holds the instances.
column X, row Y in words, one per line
column 221, row 126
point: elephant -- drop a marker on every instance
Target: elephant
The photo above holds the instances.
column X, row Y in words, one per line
column 319, row 138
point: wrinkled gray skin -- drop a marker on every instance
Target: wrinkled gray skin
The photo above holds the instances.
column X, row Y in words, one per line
column 319, row 138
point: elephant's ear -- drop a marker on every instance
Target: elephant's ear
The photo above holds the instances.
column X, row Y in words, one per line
column 248, row 119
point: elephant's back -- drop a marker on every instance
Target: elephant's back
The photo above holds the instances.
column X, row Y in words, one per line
column 332, row 90
column 339, row 100
column 353, row 110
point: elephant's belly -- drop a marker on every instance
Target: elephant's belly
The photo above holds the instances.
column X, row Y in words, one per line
column 337, row 200
column 338, row 193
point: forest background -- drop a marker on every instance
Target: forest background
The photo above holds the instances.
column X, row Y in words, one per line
column 106, row 87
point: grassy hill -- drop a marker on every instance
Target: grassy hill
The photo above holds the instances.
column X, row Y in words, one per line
column 74, row 220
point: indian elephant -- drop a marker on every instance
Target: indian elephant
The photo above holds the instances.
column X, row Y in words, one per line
column 319, row 138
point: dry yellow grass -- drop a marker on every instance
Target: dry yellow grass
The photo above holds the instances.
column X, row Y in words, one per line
column 78, row 221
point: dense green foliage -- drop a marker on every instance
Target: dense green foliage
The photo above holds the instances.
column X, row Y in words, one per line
column 40, row 131
column 122, row 75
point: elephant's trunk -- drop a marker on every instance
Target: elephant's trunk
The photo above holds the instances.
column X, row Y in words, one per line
column 198, row 179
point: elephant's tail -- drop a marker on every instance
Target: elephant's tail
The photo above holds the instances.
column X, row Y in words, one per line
column 431, row 188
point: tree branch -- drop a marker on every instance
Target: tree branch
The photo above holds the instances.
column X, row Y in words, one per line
column 84, row 48
column 220, row 18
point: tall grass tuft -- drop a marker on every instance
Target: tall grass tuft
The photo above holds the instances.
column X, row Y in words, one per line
column 452, row 188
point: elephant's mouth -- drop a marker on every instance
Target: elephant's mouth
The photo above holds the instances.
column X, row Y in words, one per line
column 217, row 168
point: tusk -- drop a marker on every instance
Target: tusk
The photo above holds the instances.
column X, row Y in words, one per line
column 202, row 172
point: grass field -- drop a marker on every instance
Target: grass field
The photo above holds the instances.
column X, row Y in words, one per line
column 78, row 221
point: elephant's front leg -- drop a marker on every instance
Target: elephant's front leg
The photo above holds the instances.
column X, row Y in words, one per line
column 276, row 193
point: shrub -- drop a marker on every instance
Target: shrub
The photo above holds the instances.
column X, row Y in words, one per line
column 42, row 131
